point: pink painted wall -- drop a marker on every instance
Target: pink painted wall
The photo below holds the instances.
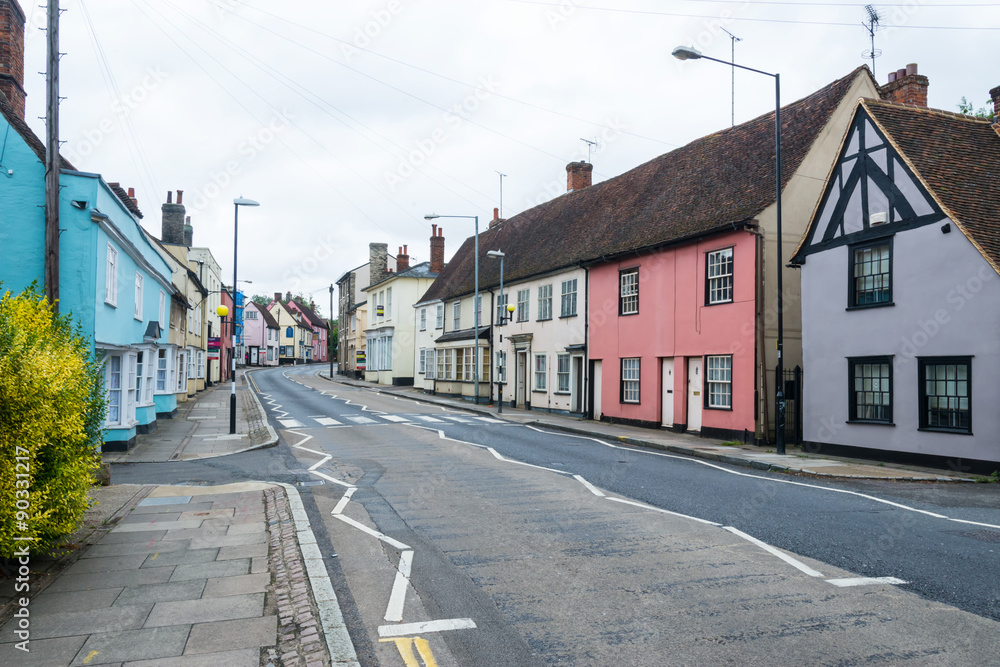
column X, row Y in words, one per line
column 673, row 321
column 254, row 330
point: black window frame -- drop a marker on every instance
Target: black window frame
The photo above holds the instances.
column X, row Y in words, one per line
column 621, row 297
column 637, row 380
column 852, row 404
column 851, row 285
column 709, row 279
column 922, row 406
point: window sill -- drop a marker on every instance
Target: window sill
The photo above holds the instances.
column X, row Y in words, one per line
column 721, row 409
column 630, row 402
column 719, row 303
column 628, row 314
column 539, row 391
column 564, row 317
column 562, row 393
column 950, row 431
column 544, row 319
column 109, row 303
column 869, row 306
column 869, row 422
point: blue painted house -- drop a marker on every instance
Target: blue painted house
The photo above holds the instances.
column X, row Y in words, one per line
column 111, row 278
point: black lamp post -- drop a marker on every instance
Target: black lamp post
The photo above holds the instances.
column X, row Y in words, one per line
column 690, row 53
column 496, row 254
column 236, row 235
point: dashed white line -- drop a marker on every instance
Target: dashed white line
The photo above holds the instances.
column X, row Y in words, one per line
column 866, row 581
column 326, row 421
column 395, row 418
column 425, row 418
column 290, row 423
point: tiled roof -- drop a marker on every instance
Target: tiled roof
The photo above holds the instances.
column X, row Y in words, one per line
column 268, row 318
column 711, row 184
column 958, row 159
column 36, row 144
column 422, row 270
column 126, row 201
column 309, row 315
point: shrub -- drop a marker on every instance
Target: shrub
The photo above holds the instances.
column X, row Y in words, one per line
column 52, row 409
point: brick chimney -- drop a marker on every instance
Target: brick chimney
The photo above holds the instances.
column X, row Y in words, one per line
column 995, row 94
column 402, row 259
column 288, row 296
column 578, row 176
column 188, row 229
column 496, row 218
column 277, row 296
column 172, row 227
column 378, row 262
column 12, row 55
column 437, row 249
column 906, row 87
column 131, row 195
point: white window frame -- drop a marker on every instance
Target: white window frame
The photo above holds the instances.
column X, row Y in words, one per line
column 201, row 364
column 502, row 307
column 430, row 372
column 540, row 372
column 719, row 272
column 439, row 323
column 544, row 302
column 523, row 304
column 137, row 311
column 163, row 310
column 631, row 371
column 422, row 364
column 423, row 319
column 456, row 316
column 388, row 302
column 562, row 373
column 567, row 306
column 719, row 381
column 181, row 375
column 113, row 375
column 163, row 366
column 111, row 277
column 628, row 293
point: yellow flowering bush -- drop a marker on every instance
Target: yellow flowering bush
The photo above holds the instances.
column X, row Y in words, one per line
column 52, row 409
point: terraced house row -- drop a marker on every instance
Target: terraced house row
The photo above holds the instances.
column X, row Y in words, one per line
column 651, row 298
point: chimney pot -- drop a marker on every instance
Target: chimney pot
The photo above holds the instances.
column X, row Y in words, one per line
column 402, row 259
column 180, row 196
column 911, row 69
column 496, row 213
column 892, row 77
column 907, row 87
column 170, row 196
column 900, row 73
column 172, row 227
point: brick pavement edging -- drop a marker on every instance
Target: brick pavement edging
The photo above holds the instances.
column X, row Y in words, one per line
column 311, row 628
column 261, row 433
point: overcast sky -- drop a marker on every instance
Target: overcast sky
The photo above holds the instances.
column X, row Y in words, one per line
column 349, row 121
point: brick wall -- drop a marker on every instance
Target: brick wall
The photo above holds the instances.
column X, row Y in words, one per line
column 12, row 54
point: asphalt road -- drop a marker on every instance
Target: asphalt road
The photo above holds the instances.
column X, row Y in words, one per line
column 490, row 536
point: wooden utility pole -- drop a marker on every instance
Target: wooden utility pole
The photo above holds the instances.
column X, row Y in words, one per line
column 52, row 157
column 329, row 333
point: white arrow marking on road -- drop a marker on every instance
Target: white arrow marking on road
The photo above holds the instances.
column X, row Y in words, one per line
column 427, row 626
column 394, row 612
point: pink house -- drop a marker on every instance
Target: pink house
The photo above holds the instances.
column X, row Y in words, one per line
column 319, row 327
column 672, row 336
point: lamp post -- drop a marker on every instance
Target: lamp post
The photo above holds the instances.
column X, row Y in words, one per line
column 236, row 235
column 691, row 53
column 475, row 304
column 496, row 254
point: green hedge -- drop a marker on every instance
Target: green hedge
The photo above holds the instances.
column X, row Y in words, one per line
column 52, row 409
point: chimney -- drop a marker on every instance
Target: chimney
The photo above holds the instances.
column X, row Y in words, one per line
column 131, row 195
column 496, row 218
column 905, row 86
column 172, row 228
column 188, row 229
column 437, row 249
column 402, row 259
column 578, row 176
column 995, row 94
column 288, row 296
column 277, row 296
column 378, row 262
column 12, row 56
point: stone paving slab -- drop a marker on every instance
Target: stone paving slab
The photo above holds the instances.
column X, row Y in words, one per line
column 143, row 518
column 208, row 514
column 122, row 538
column 155, row 525
column 44, row 652
column 52, row 603
column 245, row 633
column 222, row 568
column 169, row 592
column 249, row 657
column 241, row 585
column 227, row 541
column 243, row 551
column 94, row 580
column 182, row 557
column 171, row 500
column 206, row 610
column 145, row 644
column 147, row 546
column 72, row 623
column 188, row 507
column 106, row 564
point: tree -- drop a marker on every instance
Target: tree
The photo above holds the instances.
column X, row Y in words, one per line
column 966, row 108
column 333, row 339
column 52, row 409
column 261, row 300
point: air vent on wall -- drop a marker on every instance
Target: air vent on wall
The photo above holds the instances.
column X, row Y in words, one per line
column 878, row 218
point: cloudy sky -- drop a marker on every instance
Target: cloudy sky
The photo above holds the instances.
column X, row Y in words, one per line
column 349, row 121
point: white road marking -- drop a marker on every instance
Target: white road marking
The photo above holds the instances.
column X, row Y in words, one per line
column 326, row 421
column 395, row 418
column 426, row 626
column 461, row 419
column 290, row 423
column 371, row 531
column 489, row 420
column 394, row 612
column 332, row 479
column 866, row 581
column 776, row 552
column 663, row 511
column 344, row 500
column 425, row 418
column 975, row 523
column 320, row 462
column 590, row 487
column 522, row 463
column 360, row 420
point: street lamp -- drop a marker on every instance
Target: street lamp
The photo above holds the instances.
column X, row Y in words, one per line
column 496, row 254
column 236, row 235
column 691, row 53
column 475, row 305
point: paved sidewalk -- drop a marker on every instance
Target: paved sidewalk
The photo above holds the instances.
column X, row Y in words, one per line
column 794, row 461
column 186, row 577
column 200, row 428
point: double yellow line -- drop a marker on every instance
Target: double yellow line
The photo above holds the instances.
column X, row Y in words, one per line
column 406, row 646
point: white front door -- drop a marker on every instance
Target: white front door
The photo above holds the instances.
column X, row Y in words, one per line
column 695, row 399
column 597, row 389
column 667, row 391
column 522, row 374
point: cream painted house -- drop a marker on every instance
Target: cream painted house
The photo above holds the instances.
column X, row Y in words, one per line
column 391, row 335
column 203, row 263
column 294, row 333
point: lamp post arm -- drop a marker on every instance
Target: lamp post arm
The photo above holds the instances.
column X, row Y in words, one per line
column 749, row 69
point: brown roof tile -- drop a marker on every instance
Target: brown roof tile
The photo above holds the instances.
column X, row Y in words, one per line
column 713, row 183
column 958, row 158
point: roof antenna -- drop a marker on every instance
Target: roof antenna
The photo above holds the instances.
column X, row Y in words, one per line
column 872, row 25
column 734, row 39
column 590, row 145
column 502, row 176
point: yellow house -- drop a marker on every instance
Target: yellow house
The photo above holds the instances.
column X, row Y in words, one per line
column 294, row 333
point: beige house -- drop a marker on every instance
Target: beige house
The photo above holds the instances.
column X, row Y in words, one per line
column 203, row 263
column 294, row 333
